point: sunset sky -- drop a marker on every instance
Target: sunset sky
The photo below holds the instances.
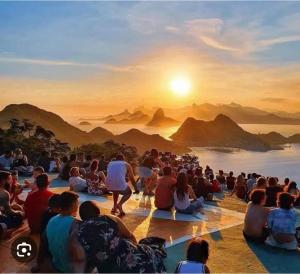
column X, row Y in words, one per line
column 90, row 58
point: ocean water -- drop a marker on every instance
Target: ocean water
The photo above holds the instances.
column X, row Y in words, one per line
column 279, row 163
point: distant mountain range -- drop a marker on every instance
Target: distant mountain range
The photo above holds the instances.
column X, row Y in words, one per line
column 240, row 114
column 220, row 132
column 224, row 132
column 76, row 137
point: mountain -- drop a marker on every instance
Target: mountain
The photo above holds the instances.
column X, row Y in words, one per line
column 120, row 116
column 100, row 135
column 221, row 132
column 63, row 130
column 160, row 120
column 76, row 137
column 295, row 139
column 143, row 142
column 273, row 138
column 240, row 114
column 138, row 117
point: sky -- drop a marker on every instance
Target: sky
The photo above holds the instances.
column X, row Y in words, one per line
column 89, row 58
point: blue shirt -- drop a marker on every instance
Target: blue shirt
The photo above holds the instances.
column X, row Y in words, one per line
column 58, row 232
column 282, row 221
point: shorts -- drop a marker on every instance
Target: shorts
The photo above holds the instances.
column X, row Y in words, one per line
column 145, row 172
column 259, row 240
column 126, row 191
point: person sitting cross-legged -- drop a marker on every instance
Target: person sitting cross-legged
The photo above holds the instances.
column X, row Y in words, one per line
column 164, row 190
column 197, row 256
column 282, row 223
column 256, row 217
column 36, row 204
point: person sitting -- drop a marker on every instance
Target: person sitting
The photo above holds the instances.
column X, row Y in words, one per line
column 10, row 214
column 87, row 163
column 164, row 190
column 282, row 223
column 207, row 172
column 256, row 217
column 96, row 182
column 43, row 253
column 221, row 179
column 21, row 163
column 52, row 210
column 230, row 181
column 62, row 236
column 292, row 188
column 44, row 161
column 76, row 182
column 251, row 182
column 116, row 182
column 216, row 187
column 240, row 187
column 72, row 162
column 286, row 182
column 182, row 194
column 37, row 203
column 261, row 183
column 32, row 184
column 196, row 259
column 146, row 172
column 120, row 253
column 64, row 161
column 6, row 160
column 272, row 191
column 201, row 186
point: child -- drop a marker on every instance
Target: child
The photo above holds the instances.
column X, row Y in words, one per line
column 197, row 256
column 53, row 210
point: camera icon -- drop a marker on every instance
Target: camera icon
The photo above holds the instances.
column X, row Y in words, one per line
column 24, row 250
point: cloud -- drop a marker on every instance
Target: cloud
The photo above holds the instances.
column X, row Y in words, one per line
column 45, row 62
column 275, row 100
column 280, row 40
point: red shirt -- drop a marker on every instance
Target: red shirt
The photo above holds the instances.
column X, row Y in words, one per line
column 35, row 206
column 164, row 192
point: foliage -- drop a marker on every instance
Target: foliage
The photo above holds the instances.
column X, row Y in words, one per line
column 109, row 149
column 32, row 139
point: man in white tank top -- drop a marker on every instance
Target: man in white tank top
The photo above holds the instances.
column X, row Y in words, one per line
column 116, row 182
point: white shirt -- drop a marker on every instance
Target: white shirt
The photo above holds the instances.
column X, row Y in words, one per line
column 190, row 267
column 181, row 204
column 116, row 176
column 77, row 184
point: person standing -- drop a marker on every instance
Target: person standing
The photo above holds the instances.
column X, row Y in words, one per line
column 117, row 184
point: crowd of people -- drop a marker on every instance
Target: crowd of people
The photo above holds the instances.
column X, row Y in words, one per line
column 103, row 241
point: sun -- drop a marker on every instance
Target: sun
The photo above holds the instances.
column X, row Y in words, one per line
column 180, row 86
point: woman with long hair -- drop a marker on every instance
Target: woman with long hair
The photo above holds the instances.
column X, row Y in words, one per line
column 182, row 195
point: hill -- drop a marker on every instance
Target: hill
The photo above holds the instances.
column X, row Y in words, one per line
column 138, row 117
column 240, row 114
column 160, row 120
column 143, row 142
column 100, row 135
column 76, row 137
column 221, row 132
column 63, row 130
